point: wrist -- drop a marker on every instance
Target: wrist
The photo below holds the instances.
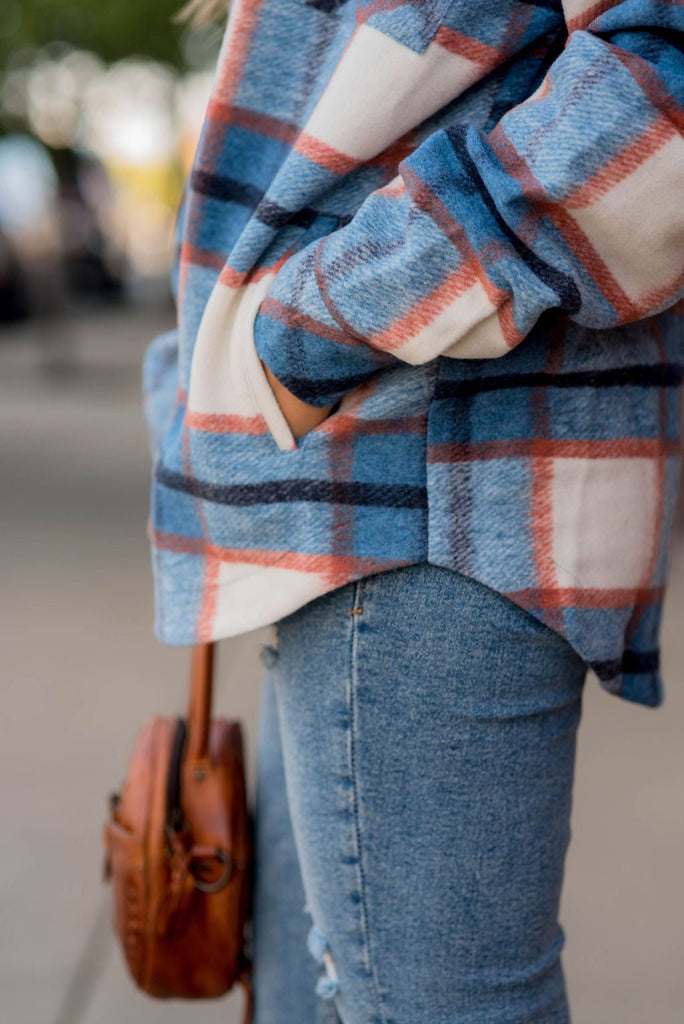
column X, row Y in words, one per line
column 301, row 417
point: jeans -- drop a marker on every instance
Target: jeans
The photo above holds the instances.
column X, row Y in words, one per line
column 415, row 764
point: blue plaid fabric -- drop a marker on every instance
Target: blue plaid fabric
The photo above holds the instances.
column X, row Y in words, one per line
column 460, row 226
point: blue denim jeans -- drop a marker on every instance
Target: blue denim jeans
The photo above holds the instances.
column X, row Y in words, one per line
column 415, row 765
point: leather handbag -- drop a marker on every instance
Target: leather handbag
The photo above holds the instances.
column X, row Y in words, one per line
column 178, row 852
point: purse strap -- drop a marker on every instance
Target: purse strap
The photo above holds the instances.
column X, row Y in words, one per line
column 199, row 719
column 199, row 703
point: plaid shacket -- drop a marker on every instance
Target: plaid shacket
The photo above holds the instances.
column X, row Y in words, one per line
column 461, row 224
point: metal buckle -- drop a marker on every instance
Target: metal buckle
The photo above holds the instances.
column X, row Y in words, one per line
column 222, row 881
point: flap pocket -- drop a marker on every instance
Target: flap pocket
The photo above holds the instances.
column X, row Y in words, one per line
column 413, row 23
column 125, row 856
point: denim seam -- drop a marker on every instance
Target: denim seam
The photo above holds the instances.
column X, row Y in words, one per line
column 359, row 591
column 353, row 679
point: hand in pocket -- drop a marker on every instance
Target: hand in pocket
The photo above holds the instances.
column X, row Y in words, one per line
column 301, row 417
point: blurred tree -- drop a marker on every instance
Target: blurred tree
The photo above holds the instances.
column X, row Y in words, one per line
column 112, row 30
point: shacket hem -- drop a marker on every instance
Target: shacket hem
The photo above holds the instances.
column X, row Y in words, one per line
column 645, row 689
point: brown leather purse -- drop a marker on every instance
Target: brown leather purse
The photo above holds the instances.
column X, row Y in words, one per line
column 178, row 852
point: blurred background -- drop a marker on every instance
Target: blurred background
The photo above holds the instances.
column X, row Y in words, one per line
column 100, row 111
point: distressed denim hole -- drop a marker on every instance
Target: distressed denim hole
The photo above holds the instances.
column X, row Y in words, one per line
column 328, row 984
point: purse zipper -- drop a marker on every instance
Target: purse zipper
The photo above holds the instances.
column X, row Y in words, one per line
column 174, row 811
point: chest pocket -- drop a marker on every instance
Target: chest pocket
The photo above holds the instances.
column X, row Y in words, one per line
column 414, row 23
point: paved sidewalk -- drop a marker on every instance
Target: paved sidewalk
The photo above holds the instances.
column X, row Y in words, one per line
column 81, row 670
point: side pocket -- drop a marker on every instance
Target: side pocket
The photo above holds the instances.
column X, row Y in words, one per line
column 125, row 858
column 260, row 391
column 257, row 383
column 229, row 392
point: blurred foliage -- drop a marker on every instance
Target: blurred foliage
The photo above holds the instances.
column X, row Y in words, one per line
column 113, row 30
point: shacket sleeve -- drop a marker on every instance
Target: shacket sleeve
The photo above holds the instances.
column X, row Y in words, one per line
column 573, row 202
